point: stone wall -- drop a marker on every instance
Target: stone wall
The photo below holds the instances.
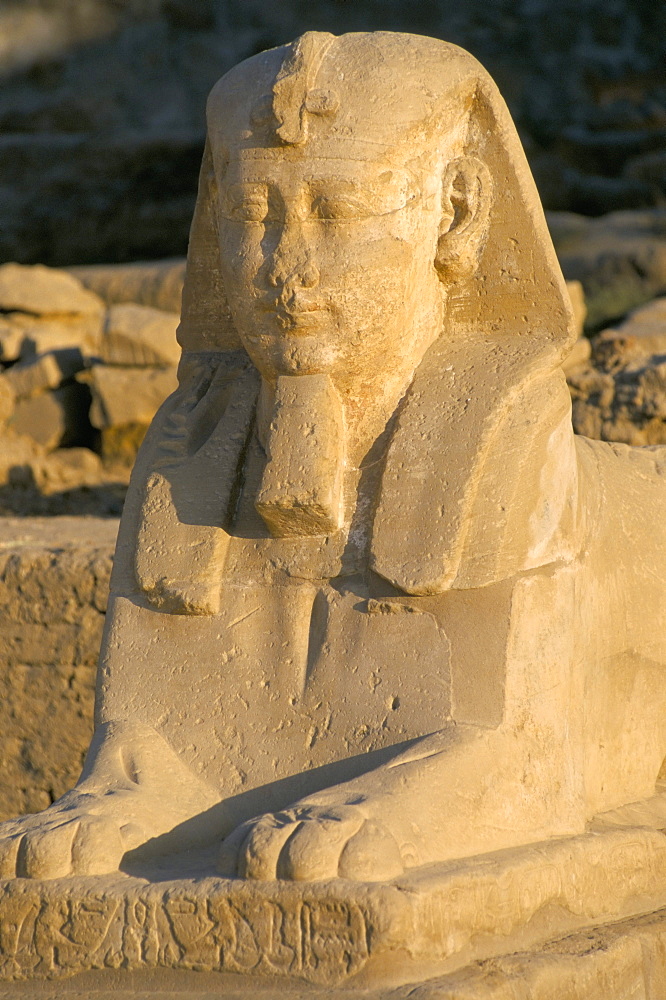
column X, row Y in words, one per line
column 54, row 578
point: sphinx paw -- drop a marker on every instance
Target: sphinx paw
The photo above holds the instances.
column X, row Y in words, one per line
column 62, row 841
column 310, row 843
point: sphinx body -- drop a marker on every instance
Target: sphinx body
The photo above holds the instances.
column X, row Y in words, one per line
column 373, row 606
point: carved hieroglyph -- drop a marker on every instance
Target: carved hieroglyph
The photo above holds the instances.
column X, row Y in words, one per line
column 332, row 933
column 373, row 606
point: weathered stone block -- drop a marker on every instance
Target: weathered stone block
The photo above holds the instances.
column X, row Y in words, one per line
column 136, row 335
column 53, row 585
column 7, row 401
column 127, row 395
column 44, row 291
column 17, row 455
column 34, row 376
column 53, row 419
column 78, row 334
column 68, row 469
column 158, row 284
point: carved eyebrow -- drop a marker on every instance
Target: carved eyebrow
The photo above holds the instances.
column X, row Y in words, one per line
column 380, row 198
column 241, row 190
column 386, row 179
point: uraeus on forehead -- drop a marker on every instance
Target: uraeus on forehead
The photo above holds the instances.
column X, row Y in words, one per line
column 319, row 91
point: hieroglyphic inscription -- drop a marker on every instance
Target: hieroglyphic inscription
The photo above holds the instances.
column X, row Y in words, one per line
column 44, row 934
column 326, row 932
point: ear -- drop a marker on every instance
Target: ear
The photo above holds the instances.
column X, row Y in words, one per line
column 466, row 201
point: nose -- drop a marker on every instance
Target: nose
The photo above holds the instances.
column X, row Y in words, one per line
column 292, row 266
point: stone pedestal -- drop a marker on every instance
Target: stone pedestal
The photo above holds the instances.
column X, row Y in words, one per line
column 572, row 917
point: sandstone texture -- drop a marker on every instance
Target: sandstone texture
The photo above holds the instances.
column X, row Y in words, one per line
column 157, row 284
column 54, row 576
column 139, row 336
column 43, row 291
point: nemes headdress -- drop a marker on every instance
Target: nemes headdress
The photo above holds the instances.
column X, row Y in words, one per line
column 508, row 319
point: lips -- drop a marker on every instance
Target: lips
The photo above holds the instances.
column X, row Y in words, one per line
column 299, row 317
column 292, row 316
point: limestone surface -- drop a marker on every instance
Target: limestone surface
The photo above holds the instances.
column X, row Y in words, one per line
column 52, row 419
column 140, row 336
column 126, row 395
column 157, row 284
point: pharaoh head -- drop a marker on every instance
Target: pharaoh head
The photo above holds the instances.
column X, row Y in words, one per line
column 363, row 187
column 365, row 209
column 346, row 204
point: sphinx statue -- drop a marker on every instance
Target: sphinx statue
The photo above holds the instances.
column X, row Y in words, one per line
column 374, row 607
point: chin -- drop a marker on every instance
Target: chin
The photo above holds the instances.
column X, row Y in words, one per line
column 302, row 355
column 301, row 363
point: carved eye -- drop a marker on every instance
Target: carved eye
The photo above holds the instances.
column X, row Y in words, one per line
column 246, row 203
column 341, row 206
column 343, row 200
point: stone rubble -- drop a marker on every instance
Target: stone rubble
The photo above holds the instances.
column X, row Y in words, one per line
column 619, row 394
column 139, row 336
column 619, row 258
column 82, row 372
column 44, row 291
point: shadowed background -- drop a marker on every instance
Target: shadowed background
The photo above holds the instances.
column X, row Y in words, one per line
column 102, row 104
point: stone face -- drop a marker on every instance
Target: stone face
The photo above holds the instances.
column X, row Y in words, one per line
column 379, row 693
column 44, row 291
column 136, row 335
